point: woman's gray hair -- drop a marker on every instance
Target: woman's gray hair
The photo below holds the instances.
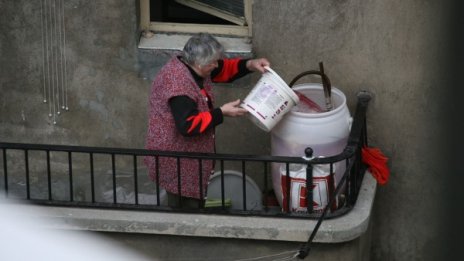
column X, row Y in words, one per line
column 202, row 49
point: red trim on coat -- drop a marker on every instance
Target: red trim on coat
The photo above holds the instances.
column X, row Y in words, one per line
column 229, row 70
column 203, row 118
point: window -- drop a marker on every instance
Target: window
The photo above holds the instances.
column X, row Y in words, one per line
column 223, row 17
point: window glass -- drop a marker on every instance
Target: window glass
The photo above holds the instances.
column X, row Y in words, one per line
column 222, row 17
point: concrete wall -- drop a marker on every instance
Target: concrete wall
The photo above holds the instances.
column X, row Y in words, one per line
column 388, row 48
column 106, row 96
column 197, row 248
column 385, row 47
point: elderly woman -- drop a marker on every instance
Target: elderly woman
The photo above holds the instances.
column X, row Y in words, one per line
column 182, row 116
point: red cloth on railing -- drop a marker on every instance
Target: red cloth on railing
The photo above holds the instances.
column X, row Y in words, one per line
column 377, row 163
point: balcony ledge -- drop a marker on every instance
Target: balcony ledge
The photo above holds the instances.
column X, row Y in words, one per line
column 341, row 229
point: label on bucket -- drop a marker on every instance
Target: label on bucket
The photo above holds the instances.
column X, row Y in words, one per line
column 268, row 97
column 267, row 105
column 269, row 100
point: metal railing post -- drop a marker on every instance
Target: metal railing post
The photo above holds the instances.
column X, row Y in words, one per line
column 28, row 189
column 244, row 186
column 49, row 176
column 136, row 183
column 113, row 172
column 92, row 178
column 71, row 189
column 5, row 173
column 309, row 180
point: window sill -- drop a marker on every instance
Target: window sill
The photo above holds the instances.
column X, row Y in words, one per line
column 176, row 42
column 342, row 229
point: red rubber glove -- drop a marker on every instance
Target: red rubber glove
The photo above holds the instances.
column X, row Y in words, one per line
column 377, row 163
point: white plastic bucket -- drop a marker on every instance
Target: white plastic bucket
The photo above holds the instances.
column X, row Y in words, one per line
column 269, row 100
column 325, row 132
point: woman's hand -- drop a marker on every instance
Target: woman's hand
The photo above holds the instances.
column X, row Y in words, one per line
column 231, row 109
column 257, row 64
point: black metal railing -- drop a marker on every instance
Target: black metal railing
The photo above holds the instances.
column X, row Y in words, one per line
column 64, row 165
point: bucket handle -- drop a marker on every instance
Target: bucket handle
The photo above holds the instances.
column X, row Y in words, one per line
column 325, row 84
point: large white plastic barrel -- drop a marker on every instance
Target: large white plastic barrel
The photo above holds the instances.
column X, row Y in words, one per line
column 325, row 132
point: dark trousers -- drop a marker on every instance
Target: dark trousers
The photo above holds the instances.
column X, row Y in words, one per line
column 175, row 201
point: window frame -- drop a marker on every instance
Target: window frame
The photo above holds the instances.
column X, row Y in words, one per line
column 162, row 27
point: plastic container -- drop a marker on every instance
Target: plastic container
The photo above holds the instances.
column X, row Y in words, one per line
column 325, row 132
column 269, row 100
column 233, row 190
column 323, row 187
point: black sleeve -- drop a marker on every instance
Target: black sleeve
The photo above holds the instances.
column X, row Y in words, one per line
column 191, row 122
